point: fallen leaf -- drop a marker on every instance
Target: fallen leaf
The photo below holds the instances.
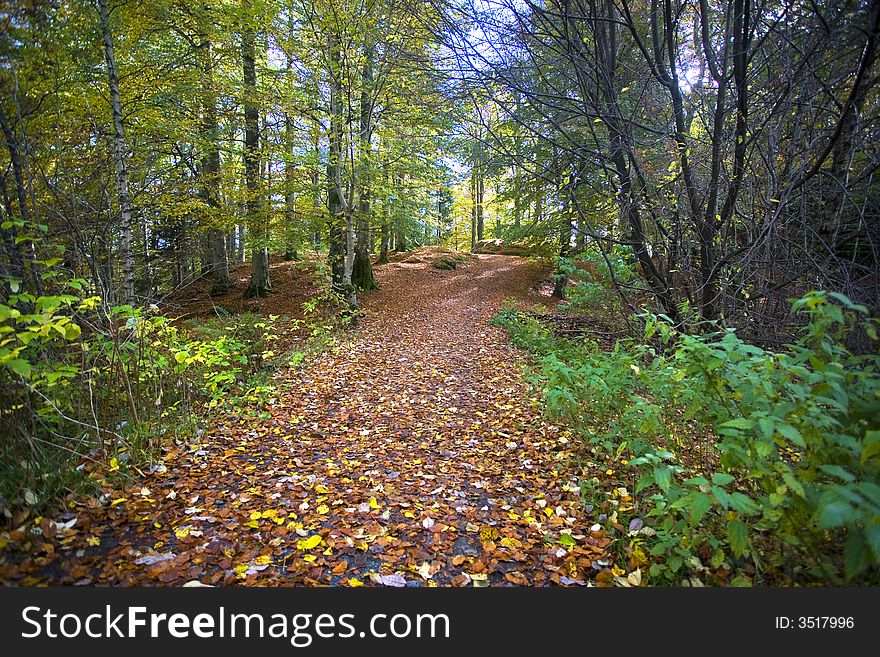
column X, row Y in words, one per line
column 393, row 580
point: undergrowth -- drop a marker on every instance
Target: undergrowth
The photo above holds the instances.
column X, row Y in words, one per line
column 87, row 387
column 726, row 463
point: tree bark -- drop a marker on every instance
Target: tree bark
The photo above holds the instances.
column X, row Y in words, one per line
column 362, row 271
column 335, row 199
column 119, row 153
column 218, row 263
column 259, row 285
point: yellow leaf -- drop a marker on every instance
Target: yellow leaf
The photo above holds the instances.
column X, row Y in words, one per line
column 256, row 515
column 182, row 532
column 322, row 489
column 513, row 516
column 254, row 524
column 240, row 570
column 311, row 542
column 548, row 512
column 269, row 513
column 93, row 541
column 118, row 500
column 323, row 509
column 635, row 577
column 479, row 580
column 409, row 514
column 309, row 558
column 373, row 503
column 354, row 582
column 114, row 463
column 263, row 560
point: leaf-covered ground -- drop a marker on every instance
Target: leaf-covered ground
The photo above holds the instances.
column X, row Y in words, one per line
column 413, row 454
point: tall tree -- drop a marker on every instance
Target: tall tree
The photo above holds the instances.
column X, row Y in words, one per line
column 362, row 274
column 120, row 155
column 258, row 230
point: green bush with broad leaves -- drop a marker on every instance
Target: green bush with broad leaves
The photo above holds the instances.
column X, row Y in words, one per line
column 737, row 454
column 82, row 381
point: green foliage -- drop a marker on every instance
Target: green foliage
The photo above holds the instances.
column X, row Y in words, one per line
column 790, row 479
column 593, row 276
column 82, row 382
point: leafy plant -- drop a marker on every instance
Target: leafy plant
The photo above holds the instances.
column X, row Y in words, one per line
column 790, row 481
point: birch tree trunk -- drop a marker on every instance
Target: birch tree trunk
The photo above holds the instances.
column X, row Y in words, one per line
column 119, row 153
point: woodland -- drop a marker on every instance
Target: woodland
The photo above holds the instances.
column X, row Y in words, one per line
column 440, row 293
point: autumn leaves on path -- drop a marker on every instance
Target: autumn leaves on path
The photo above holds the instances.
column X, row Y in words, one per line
column 413, row 454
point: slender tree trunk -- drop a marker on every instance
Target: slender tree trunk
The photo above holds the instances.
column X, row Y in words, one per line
column 385, row 239
column 259, row 285
column 478, row 192
column 119, row 153
column 399, row 228
column 11, row 252
column 565, row 232
column 335, row 199
column 218, row 262
column 32, row 281
column 384, row 244
column 289, row 173
column 362, row 268
column 517, row 202
column 480, row 217
column 473, row 192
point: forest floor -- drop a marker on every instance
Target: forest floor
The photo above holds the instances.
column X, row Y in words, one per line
column 413, row 453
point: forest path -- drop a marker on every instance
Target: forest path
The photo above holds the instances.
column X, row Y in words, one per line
column 414, row 454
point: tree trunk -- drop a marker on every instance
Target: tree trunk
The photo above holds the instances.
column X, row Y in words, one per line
column 335, row 199
column 479, row 193
column 32, row 281
column 384, row 244
column 362, row 268
column 565, row 231
column 473, row 191
column 215, row 247
column 399, row 234
column 289, row 174
column 259, row 285
column 11, row 253
column 119, row 154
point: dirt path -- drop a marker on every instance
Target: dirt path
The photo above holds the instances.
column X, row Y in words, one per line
column 414, row 454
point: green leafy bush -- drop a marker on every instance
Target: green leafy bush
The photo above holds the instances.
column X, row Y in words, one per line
column 592, row 277
column 737, row 452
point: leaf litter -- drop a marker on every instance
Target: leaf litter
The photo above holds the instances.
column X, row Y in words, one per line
column 412, row 454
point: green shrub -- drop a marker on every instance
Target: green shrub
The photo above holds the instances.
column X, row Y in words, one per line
column 790, row 477
column 592, row 277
